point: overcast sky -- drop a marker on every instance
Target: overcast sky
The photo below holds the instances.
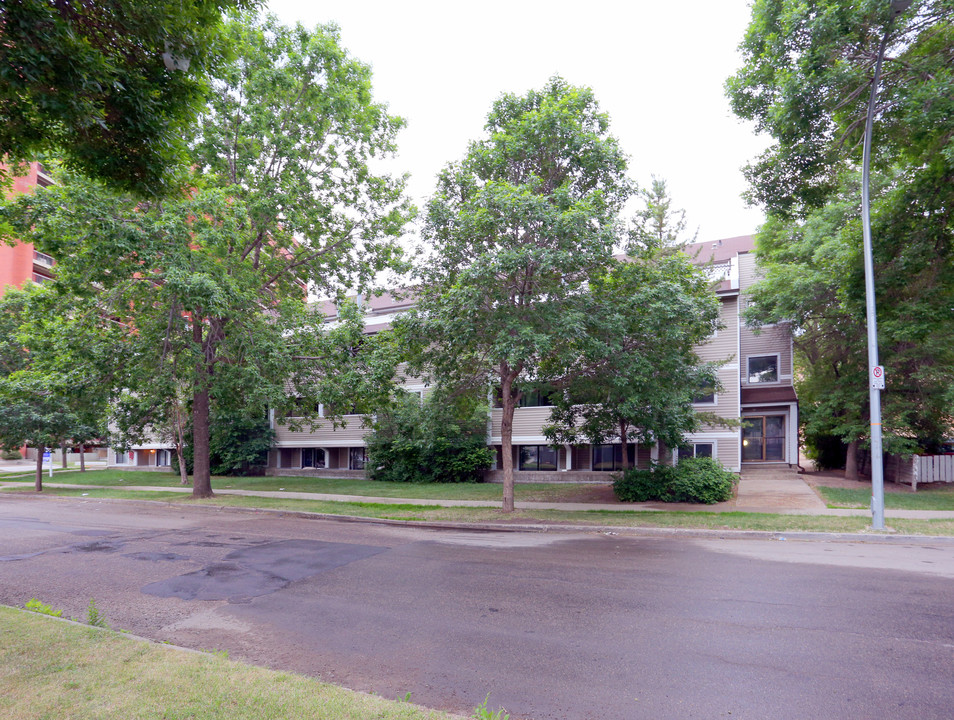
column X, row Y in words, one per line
column 657, row 68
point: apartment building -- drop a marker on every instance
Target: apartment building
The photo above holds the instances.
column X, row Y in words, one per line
column 757, row 399
column 21, row 263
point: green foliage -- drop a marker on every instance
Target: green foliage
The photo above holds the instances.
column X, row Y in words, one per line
column 219, row 315
column 437, row 440
column 806, row 81
column 238, row 443
column 692, row 480
column 636, row 373
column 807, row 73
column 34, row 605
column 86, row 81
column 10, row 455
column 828, row 452
column 518, row 228
column 94, row 617
column 482, row 712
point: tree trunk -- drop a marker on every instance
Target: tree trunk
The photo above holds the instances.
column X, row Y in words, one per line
column 201, row 474
column 63, row 454
column 851, row 462
column 506, row 440
column 623, row 427
column 82, row 448
column 38, row 485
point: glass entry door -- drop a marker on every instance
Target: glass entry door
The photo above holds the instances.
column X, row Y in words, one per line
column 763, row 438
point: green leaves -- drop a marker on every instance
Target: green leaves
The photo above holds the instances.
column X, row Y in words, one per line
column 86, row 81
column 806, row 80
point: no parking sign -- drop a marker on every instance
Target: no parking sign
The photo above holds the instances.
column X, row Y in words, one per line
column 877, row 377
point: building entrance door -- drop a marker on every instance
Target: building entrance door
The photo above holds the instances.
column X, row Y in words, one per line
column 763, row 438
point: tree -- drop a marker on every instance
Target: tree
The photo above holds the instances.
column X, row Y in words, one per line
column 657, row 224
column 34, row 411
column 51, row 383
column 807, row 73
column 434, row 439
column 213, row 283
column 519, row 229
column 806, row 80
column 637, row 374
column 814, row 278
column 110, row 86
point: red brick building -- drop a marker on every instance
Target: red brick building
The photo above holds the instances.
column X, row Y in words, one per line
column 21, row 262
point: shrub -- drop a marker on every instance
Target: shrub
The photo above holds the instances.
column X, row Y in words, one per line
column 438, row 440
column 693, row 480
column 10, row 455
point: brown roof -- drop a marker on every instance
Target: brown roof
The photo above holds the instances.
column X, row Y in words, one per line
column 764, row 395
column 720, row 250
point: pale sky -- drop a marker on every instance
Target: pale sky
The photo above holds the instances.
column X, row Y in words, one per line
column 657, row 68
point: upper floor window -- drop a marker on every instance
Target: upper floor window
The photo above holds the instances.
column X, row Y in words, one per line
column 763, row 369
column 533, row 397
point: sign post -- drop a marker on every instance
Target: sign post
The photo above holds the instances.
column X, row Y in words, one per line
column 48, row 458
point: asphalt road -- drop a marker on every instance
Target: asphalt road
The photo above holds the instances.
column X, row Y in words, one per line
column 552, row 625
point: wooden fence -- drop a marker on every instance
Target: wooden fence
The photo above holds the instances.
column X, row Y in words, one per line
column 932, row 468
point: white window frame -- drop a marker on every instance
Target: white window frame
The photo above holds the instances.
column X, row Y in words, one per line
column 778, row 369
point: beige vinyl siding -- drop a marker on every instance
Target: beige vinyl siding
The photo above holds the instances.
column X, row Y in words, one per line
column 748, row 271
column 323, row 435
column 727, row 450
column 527, row 423
column 771, row 340
column 724, row 345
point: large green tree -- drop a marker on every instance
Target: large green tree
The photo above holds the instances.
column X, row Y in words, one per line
column 636, row 374
column 110, row 86
column 53, row 378
column 519, row 228
column 807, row 76
column 213, row 284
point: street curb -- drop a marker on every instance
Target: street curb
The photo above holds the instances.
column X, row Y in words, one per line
column 609, row 530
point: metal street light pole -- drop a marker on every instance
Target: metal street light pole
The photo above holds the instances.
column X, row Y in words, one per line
column 875, row 371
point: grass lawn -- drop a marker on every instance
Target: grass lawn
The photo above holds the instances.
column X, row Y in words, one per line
column 53, row 669
column 432, row 513
column 932, row 498
column 540, row 492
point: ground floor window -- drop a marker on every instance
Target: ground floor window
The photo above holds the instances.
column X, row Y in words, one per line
column 537, row 457
column 312, row 458
column 702, row 449
column 610, row 457
column 357, row 457
column 120, row 458
column 163, row 458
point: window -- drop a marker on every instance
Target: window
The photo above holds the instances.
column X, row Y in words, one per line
column 163, row 458
column 312, row 458
column 696, row 450
column 532, row 397
column 702, row 450
column 357, row 457
column 120, row 458
column 705, row 395
column 537, row 457
column 610, row 457
column 537, row 397
column 763, row 368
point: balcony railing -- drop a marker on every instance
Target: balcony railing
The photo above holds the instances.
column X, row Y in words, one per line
column 42, row 259
column 37, row 278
